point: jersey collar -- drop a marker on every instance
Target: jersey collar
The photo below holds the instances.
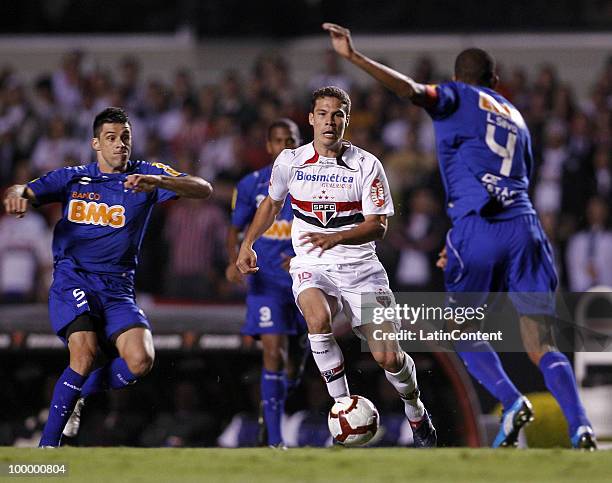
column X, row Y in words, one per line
column 340, row 159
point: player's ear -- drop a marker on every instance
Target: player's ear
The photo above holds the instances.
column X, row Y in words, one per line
column 348, row 119
column 95, row 144
column 494, row 81
column 269, row 148
column 311, row 118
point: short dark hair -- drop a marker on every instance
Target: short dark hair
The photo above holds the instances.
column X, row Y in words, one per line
column 331, row 91
column 286, row 124
column 110, row 115
column 475, row 66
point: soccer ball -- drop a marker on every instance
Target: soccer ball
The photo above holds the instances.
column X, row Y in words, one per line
column 353, row 420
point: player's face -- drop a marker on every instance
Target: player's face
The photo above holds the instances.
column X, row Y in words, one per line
column 329, row 120
column 280, row 138
column 113, row 147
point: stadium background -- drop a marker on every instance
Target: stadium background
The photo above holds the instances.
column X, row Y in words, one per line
column 201, row 81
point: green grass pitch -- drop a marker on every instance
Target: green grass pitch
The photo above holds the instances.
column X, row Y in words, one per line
column 335, row 465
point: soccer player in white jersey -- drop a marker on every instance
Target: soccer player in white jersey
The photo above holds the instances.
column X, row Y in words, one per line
column 340, row 200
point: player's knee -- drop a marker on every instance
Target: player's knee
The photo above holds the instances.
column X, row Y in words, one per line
column 389, row 361
column 140, row 363
column 273, row 360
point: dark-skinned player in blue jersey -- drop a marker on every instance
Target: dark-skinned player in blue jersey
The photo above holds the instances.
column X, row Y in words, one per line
column 496, row 243
column 106, row 206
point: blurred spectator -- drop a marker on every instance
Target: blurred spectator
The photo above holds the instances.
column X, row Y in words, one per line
column 409, row 167
column 195, row 233
column 66, row 83
column 25, row 253
column 418, row 240
column 331, row 75
column 57, row 149
column 43, row 101
column 547, row 195
column 130, row 83
column 219, row 151
column 589, row 252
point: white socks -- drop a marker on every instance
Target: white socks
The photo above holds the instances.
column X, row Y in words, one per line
column 405, row 384
column 330, row 361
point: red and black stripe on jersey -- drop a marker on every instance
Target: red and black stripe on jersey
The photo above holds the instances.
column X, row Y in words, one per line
column 336, row 221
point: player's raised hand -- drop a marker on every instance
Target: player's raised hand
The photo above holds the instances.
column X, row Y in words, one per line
column 142, row 183
column 341, row 39
column 14, row 202
column 323, row 241
column 247, row 260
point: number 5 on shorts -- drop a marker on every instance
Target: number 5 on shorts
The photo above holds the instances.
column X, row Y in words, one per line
column 79, row 295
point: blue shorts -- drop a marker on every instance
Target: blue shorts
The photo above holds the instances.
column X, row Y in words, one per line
column 109, row 298
column 502, row 256
column 273, row 314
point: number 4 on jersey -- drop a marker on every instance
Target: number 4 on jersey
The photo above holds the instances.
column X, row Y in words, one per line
column 506, row 152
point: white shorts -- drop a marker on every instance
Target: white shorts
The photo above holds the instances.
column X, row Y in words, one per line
column 347, row 283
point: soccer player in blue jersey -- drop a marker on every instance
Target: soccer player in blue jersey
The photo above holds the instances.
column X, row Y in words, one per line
column 106, row 206
column 272, row 315
column 496, row 243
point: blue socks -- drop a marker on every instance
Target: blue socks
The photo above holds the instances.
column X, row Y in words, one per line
column 485, row 366
column 273, row 393
column 67, row 391
column 113, row 375
column 560, row 381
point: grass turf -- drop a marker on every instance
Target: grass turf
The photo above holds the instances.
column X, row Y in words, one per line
column 338, row 465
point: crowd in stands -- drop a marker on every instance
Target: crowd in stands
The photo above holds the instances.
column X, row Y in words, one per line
column 218, row 131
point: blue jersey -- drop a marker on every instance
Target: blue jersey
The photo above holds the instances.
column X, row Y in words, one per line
column 102, row 224
column 274, row 243
column 484, row 152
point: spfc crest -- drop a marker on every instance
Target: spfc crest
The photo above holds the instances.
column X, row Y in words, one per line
column 324, row 211
column 383, row 298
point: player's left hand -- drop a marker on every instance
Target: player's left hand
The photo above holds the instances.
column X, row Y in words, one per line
column 324, row 241
column 142, row 183
column 247, row 260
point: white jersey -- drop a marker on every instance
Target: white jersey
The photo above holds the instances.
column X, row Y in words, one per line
column 329, row 195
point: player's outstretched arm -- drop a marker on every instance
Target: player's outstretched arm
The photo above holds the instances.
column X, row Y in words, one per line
column 183, row 186
column 373, row 228
column 395, row 81
column 263, row 219
column 16, row 200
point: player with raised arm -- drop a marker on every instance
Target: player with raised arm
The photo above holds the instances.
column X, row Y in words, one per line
column 272, row 315
column 496, row 243
column 105, row 209
column 340, row 200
